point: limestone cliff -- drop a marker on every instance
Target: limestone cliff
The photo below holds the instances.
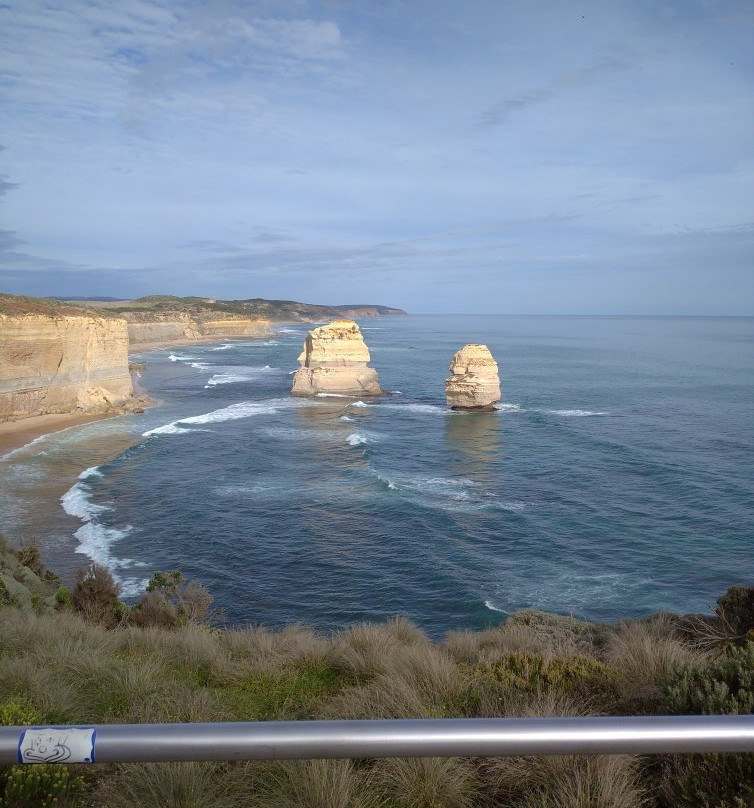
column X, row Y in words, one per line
column 475, row 384
column 334, row 360
column 149, row 326
column 56, row 363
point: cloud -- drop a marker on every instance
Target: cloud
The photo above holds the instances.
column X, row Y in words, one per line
column 501, row 112
column 6, row 185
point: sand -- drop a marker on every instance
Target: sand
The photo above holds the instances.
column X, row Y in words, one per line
column 15, row 434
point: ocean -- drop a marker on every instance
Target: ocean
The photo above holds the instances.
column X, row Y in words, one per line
column 614, row 480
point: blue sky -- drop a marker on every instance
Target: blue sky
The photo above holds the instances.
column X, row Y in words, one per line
column 486, row 156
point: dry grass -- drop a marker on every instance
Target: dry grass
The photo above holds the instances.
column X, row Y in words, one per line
column 427, row 782
column 314, row 784
column 168, row 785
column 644, row 651
column 564, row 782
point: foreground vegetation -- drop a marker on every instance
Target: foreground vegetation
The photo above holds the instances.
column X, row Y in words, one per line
column 84, row 657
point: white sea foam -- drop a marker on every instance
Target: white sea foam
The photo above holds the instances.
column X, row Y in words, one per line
column 168, row 429
column 356, row 439
column 200, row 365
column 387, row 482
column 358, row 404
column 233, row 375
column 504, row 406
column 76, row 502
column 181, row 358
column 23, row 448
column 244, row 409
column 491, row 606
column 575, row 413
column 332, row 395
column 223, row 347
column 345, row 418
column 95, row 539
column 289, row 331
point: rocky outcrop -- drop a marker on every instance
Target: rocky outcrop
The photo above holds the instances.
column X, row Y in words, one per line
column 334, row 360
column 475, row 384
column 153, row 327
column 53, row 363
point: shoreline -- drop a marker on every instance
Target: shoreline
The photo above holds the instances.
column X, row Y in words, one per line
column 23, row 432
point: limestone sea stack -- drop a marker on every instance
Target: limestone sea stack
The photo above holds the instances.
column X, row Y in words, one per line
column 475, row 384
column 334, row 360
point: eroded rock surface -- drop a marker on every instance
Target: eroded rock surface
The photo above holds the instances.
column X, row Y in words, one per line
column 335, row 360
column 59, row 364
column 475, row 384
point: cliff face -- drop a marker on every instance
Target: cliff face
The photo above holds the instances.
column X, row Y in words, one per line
column 475, row 384
column 146, row 327
column 334, row 360
column 62, row 363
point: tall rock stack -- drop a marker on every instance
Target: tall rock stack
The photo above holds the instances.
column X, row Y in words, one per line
column 334, row 360
column 475, row 384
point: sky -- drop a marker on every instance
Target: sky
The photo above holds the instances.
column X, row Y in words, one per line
column 485, row 156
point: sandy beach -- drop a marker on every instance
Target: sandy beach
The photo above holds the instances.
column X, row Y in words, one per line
column 15, row 434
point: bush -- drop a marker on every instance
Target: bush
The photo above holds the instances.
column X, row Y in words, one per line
column 189, row 601
column 579, row 678
column 41, row 786
column 95, row 596
column 735, row 609
column 722, row 686
column 154, row 610
column 29, row 556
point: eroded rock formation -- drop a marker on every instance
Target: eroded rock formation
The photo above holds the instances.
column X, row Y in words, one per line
column 62, row 363
column 334, row 360
column 475, row 384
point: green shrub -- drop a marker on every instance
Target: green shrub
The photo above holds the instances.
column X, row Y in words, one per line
column 578, row 677
column 171, row 600
column 721, row 686
column 29, row 556
column 63, row 602
column 735, row 609
column 41, row 786
column 17, row 712
column 724, row 685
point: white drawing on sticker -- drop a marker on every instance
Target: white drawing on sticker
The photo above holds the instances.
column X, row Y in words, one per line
column 57, row 745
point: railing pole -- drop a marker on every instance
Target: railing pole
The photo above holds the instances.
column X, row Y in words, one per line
column 277, row 740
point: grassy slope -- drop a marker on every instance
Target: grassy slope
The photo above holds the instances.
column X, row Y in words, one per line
column 57, row 668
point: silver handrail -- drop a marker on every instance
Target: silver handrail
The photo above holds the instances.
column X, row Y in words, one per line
column 275, row 740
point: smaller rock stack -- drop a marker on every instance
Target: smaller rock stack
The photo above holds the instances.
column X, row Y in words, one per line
column 475, row 384
column 334, row 360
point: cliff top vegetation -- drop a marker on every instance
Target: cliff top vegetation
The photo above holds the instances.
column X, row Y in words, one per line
column 14, row 305
column 163, row 305
column 85, row 657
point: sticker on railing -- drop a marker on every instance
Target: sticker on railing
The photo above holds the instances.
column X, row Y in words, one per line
column 57, row 745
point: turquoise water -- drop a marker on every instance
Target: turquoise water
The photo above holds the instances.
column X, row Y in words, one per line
column 615, row 480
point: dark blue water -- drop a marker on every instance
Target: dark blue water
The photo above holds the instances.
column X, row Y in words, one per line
column 615, row 480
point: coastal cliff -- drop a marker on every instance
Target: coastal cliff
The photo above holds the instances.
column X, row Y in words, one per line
column 150, row 326
column 60, row 361
column 334, row 360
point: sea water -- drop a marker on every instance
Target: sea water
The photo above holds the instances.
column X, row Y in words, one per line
column 615, row 478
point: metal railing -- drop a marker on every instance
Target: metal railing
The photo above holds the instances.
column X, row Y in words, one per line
column 464, row 737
